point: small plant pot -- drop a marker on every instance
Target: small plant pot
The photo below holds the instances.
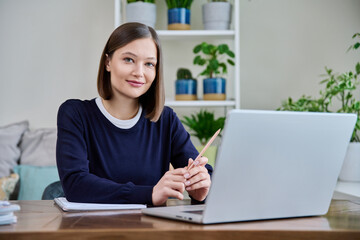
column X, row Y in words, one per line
column 179, row 19
column 186, row 89
column 214, row 88
column 216, row 15
column 141, row 12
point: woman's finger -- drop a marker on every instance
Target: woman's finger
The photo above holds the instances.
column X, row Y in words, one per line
column 195, row 171
column 199, row 185
column 177, row 171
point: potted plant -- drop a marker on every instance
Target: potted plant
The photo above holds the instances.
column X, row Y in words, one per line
column 214, row 86
column 142, row 11
column 185, row 85
column 203, row 125
column 179, row 14
column 216, row 15
column 339, row 90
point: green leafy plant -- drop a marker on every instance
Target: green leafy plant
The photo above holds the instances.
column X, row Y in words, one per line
column 147, row 1
column 211, row 57
column 179, row 4
column 203, row 125
column 338, row 88
column 183, row 73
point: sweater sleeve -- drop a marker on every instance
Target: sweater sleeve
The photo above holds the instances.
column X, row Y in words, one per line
column 73, row 165
column 182, row 147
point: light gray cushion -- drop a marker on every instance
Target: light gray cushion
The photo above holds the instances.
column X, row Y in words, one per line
column 10, row 136
column 38, row 147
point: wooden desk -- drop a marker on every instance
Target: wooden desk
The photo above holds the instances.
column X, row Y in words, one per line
column 44, row 220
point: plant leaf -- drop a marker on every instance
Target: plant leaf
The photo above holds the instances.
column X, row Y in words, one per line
column 231, row 62
column 357, row 68
column 230, row 53
column 197, row 48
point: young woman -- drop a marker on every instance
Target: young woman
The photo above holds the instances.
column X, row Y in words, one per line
column 117, row 148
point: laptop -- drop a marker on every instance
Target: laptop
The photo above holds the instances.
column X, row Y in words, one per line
column 270, row 165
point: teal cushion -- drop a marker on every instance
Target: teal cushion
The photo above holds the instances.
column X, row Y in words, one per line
column 34, row 180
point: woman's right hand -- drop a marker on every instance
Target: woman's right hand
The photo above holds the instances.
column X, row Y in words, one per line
column 170, row 185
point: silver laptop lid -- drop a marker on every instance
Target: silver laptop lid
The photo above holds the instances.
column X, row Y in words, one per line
column 277, row 164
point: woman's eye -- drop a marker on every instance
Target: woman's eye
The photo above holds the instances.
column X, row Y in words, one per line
column 130, row 60
column 150, row 64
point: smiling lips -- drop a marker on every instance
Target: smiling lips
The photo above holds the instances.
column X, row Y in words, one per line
column 135, row 83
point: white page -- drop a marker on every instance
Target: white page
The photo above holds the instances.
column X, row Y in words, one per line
column 72, row 206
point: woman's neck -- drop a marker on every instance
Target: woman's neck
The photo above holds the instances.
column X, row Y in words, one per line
column 123, row 109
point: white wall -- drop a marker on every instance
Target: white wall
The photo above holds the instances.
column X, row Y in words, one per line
column 285, row 45
column 49, row 52
column 50, row 49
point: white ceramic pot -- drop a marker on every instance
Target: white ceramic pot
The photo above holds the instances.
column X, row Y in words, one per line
column 216, row 15
column 351, row 167
column 141, row 12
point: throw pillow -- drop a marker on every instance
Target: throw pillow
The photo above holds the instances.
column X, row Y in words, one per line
column 10, row 137
column 7, row 186
column 34, row 180
column 38, row 147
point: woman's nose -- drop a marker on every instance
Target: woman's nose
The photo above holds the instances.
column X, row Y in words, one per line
column 138, row 70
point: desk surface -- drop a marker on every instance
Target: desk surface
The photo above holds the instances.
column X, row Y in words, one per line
column 44, row 220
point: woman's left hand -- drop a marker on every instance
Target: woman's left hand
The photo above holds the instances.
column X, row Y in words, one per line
column 197, row 179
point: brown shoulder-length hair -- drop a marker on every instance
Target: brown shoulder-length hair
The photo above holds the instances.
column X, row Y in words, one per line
column 153, row 100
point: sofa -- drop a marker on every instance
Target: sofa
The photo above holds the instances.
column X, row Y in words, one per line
column 27, row 161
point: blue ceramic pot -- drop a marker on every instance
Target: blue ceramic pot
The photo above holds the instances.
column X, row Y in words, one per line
column 186, row 89
column 214, row 88
column 179, row 19
column 179, row 15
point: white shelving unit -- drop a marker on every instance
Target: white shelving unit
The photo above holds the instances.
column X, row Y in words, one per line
column 201, row 35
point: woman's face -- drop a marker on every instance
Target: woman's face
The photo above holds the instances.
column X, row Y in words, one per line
column 133, row 68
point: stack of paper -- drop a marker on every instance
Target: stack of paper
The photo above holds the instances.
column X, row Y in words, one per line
column 73, row 206
column 7, row 212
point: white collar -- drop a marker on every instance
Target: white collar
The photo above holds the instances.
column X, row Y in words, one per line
column 124, row 124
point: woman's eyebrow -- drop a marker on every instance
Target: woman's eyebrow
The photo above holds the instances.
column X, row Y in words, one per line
column 129, row 53
column 134, row 55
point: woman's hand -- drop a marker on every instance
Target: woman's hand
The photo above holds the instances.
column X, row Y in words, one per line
column 198, row 181
column 170, row 185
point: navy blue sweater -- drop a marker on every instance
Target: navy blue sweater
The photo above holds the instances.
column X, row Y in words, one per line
column 99, row 162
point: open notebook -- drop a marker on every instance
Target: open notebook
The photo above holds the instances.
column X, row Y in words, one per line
column 66, row 206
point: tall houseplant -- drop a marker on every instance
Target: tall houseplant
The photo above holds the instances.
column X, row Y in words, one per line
column 179, row 14
column 203, row 125
column 338, row 91
column 142, row 11
column 211, row 57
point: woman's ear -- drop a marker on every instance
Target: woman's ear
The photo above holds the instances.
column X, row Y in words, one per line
column 107, row 63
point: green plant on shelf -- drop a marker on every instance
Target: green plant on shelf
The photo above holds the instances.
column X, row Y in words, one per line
column 211, row 57
column 179, row 4
column 203, row 125
column 183, row 73
column 147, row 1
